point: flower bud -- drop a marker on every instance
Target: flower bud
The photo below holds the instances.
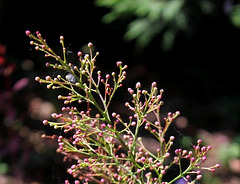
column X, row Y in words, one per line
column 48, row 78
column 199, row 177
column 90, row 44
column 199, row 141
column 154, row 84
column 28, row 33
column 45, row 122
column 138, row 85
column 37, row 79
column 119, row 63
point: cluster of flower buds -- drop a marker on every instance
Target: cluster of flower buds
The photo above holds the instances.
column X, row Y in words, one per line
column 101, row 150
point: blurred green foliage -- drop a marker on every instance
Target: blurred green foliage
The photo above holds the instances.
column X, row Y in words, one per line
column 227, row 152
column 148, row 19
column 235, row 15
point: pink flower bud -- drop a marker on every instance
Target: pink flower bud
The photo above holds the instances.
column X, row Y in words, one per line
column 199, row 141
column 119, row 63
column 133, row 123
column 54, row 115
column 107, row 76
column 176, row 151
column 177, row 113
column 154, row 84
column 48, row 78
column 45, row 122
column 204, row 158
column 172, row 138
column 139, row 171
column 37, row 79
column 138, row 85
column 163, row 172
column 90, row 44
column 79, row 53
column 197, row 147
column 114, row 114
column 28, row 32
column 143, row 159
column 203, row 149
column 199, row 177
column 126, row 104
column 167, row 155
column 102, row 180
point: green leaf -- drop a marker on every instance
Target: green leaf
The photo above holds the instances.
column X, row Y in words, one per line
column 235, row 15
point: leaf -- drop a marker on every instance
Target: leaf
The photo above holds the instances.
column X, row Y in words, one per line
column 235, row 15
column 172, row 9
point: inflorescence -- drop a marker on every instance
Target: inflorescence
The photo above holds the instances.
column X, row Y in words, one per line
column 104, row 147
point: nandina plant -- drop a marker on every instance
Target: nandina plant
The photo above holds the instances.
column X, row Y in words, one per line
column 103, row 147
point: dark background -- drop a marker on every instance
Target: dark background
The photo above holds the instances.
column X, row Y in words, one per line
column 200, row 74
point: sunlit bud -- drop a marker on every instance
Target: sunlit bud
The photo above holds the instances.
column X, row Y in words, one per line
column 28, row 32
column 130, row 90
column 114, row 114
column 138, row 85
column 37, row 79
column 90, row 44
column 143, row 159
column 197, row 147
column 212, row 170
column 199, row 141
column 157, row 123
column 107, row 76
column 45, row 122
column 48, row 78
column 133, row 123
column 172, row 138
column 209, row 147
column 102, row 180
column 163, row 172
column 67, row 182
column 184, row 152
column 47, row 64
column 167, row 155
column 199, row 177
column 154, row 84
column 79, row 53
column 178, row 113
column 119, row 63
column 54, row 115
column 204, row 159
column 203, row 149
column 144, row 92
